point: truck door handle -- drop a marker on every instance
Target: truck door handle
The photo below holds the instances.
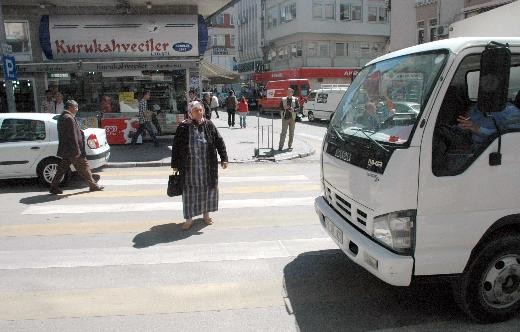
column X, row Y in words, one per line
column 35, row 148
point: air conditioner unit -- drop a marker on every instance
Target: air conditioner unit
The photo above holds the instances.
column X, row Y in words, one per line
column 443, row 30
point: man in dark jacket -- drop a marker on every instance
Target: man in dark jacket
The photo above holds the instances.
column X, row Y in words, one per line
column 71, row 150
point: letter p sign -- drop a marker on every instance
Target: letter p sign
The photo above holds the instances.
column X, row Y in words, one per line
column 9, row 65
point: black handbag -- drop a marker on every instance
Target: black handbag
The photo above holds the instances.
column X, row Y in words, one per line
column 174, row 184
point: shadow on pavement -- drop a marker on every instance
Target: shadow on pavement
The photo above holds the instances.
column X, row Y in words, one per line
column 140, row 152
column 167, row 233
column 45, row 198
column 325, row 291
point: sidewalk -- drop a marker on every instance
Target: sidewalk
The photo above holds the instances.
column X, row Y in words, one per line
column 240, row 144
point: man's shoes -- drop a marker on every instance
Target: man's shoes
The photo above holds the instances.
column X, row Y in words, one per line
column 96, row 188
column 290, row 148
column 96, row 177
column 56, row 191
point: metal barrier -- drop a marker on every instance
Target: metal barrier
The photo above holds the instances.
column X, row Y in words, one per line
column 265, row 139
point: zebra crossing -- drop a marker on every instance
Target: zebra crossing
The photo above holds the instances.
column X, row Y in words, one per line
column 59, row 259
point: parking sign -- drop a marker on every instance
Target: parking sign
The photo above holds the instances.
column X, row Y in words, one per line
column 9, row 65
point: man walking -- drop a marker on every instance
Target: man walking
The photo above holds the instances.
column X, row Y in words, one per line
column 231, row 108
column 71, row 150
column 289, row 106
column 214, row 104
column 144, row 120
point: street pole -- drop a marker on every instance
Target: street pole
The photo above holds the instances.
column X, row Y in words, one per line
column 9, row 91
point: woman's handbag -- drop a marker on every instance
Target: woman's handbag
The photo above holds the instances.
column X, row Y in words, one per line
column 174, row 184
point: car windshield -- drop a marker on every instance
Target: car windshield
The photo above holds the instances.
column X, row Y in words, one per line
column 385, row 100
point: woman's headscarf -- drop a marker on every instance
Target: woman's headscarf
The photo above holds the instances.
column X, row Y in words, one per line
column 193, row 104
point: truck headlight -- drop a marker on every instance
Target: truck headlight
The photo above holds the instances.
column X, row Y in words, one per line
column 396, row 230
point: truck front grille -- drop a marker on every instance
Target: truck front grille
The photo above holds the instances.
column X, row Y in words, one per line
column 351, row 211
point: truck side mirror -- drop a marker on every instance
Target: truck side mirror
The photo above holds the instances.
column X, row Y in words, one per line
column 495, row 65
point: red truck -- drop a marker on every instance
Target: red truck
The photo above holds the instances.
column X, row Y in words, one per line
column 275, row 90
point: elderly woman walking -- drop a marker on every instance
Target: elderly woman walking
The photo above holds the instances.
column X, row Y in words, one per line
column 194, row 154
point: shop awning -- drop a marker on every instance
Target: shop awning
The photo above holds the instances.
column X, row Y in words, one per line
column 216, row 74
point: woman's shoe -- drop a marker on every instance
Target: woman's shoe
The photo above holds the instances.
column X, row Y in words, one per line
column 186, row 225
column 208, row 221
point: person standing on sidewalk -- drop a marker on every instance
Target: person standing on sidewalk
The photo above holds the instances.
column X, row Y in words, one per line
column 206, row 101
column 231, row 107
column 194, row 155
column 214, row 104
column 289, row 106
column 144, row 119
column 243, row 109
column 71, row 150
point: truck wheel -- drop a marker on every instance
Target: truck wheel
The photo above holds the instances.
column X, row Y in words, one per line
column 310, row 116
column 490, row 290
column 46, row 171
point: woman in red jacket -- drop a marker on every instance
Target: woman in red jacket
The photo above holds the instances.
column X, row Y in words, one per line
column 243, row 109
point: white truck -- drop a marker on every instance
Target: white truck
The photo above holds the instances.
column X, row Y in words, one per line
column 322, row 103
column 411, row 194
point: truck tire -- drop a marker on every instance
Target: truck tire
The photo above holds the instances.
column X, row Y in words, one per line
column 489, row 291
column 310, row 116
column 46, row 170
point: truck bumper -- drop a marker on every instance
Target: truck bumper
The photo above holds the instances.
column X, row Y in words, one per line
column 392, row 268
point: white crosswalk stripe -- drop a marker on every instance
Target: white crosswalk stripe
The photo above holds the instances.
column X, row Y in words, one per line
column 164, row 206
column 223, row 179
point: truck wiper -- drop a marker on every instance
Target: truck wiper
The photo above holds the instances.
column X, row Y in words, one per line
column 370, row 138
column 337, row 133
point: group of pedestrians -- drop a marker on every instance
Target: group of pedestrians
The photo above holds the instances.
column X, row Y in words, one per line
column 233, row 106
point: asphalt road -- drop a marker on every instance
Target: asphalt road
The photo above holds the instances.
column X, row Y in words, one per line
column 117, row 261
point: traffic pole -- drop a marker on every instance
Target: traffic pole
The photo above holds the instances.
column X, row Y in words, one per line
column 9, row 90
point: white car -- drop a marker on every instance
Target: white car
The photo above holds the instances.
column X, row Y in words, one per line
column 29, row 143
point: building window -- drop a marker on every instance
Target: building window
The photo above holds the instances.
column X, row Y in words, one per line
column 365, row 49
column 17, row 34
column 340, row 49
column 272, row 17
column 219, row 40
column 420, row 32
column 324, row 50
column 344, row 11
column 299, row 47
column 433, row 29
column 232, row 40
column 376, row 15
column 312, row 49
column 325, row 9
column 357, row 13
column 287, row 12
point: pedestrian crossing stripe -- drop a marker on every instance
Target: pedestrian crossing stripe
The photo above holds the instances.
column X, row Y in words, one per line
column 222, row 190
column 53, row 209
column 223, row 179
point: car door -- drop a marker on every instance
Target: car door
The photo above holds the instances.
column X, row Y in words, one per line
column 21, row 144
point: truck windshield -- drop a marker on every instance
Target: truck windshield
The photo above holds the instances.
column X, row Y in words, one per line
column 386, row 99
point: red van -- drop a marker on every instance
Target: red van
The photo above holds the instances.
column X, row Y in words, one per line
column 275, row 90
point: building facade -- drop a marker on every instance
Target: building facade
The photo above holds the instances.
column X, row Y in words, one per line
column 249, row 32
column 340, row 35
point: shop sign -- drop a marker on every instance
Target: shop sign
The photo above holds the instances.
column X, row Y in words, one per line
column 112, row 36
column 220, row 51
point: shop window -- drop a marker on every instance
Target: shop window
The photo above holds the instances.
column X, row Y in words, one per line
column 17, row 35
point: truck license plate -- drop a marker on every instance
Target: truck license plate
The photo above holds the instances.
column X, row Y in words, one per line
column 334, row 231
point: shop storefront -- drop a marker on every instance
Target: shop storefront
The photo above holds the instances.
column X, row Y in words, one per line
column 105, row 61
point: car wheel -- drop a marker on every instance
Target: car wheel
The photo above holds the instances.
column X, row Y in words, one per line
column 47, row 170
column 490, row 289
column 310, row 116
